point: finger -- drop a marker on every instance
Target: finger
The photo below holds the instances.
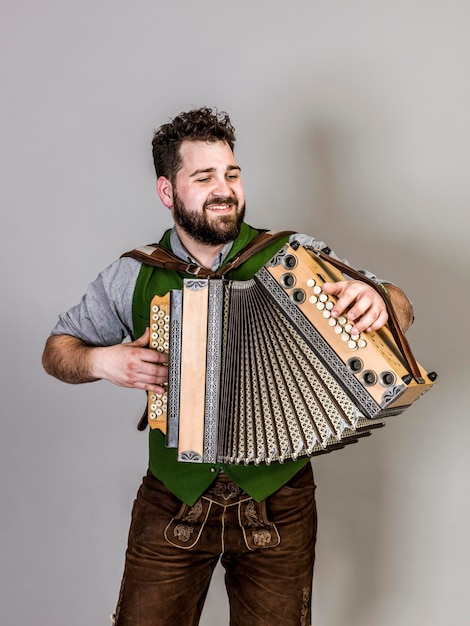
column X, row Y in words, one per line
column 154, row 356
column 143, row 340
column 333, row 289
column 372, row 320
column 152, row 387
column 151, row 380
column 149, row 372
column 343, row 303
column 379, row 322
column 363, row 305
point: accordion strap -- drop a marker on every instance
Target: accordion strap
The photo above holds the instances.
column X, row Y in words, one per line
column 393, row 322
column 158, row 256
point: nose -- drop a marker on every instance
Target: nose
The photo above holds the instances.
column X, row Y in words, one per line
column 222, row 187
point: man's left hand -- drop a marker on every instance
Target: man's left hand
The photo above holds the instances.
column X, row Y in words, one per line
column 360, row 303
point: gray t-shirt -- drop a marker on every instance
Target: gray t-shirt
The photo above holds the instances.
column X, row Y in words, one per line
column 103, row 317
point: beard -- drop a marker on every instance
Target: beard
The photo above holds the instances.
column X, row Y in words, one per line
column 199, row 226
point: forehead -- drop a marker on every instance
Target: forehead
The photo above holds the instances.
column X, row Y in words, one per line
column 205, row 155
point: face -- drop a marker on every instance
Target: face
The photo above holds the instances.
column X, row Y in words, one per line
column 208, row 202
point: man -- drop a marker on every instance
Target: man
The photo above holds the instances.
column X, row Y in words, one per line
column 261, row 521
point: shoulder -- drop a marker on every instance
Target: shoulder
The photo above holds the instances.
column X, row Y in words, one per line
column 123, row 270
column 116, row 281
column 308, row 240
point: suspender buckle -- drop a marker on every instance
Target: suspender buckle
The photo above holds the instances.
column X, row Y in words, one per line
column 193, row 269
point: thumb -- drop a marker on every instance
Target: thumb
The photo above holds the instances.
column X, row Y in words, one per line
column 143, row 340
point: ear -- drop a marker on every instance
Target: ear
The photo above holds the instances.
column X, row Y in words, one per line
column 165, row 191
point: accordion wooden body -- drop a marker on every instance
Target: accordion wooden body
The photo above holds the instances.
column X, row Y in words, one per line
column 260, row 372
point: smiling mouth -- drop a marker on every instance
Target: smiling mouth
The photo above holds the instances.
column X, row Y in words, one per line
column 220, row 208
column 221, row 205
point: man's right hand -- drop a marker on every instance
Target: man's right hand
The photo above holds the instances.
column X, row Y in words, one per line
column 132, row 364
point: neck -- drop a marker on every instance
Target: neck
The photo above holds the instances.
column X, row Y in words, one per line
column 203, row 253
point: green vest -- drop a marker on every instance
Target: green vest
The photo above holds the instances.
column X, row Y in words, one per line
column 188, row 481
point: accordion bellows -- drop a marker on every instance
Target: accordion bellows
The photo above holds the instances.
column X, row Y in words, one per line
column 260, row 372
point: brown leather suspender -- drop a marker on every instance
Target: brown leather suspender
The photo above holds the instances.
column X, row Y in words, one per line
column 158, row 256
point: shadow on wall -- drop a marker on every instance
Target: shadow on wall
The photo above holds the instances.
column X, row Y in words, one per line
column 353, row 490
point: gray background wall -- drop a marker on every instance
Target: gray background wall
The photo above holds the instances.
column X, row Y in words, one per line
column 353, row 126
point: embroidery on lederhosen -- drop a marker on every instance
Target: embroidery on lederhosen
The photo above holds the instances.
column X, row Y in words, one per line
column 258, row 531
column 225, row 490
column 184, row 530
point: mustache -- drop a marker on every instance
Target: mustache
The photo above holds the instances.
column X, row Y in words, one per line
column 230, row 200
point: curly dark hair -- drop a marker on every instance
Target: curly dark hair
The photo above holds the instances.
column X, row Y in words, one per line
column 202, row 124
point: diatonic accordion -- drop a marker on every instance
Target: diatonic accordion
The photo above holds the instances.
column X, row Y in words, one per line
column 260, row 372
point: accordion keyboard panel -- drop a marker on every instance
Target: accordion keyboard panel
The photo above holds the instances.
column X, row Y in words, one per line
column 373, row 358
column 159, row 340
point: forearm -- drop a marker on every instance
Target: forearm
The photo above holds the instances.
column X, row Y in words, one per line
column 69, row 359
column 130, row 364
column 401, row 305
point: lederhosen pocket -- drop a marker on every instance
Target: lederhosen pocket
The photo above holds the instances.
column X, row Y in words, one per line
column 258, row 531
column 185, row 530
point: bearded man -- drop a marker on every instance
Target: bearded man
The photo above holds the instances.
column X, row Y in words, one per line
column 259, row 520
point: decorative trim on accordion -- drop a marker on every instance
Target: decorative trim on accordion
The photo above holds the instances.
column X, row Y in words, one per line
column 174, row 367
column 317, row 343
column 214, row 343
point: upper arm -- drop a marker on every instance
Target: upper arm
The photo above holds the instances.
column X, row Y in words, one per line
column 104, row 314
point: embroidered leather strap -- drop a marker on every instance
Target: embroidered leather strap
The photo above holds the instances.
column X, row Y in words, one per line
column 156, row 255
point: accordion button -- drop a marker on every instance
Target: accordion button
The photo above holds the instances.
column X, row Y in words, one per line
column 317, row 290
column 311, row 282
column 313, row 299
column 362, row 343
column 342, row 320
column 332, row 321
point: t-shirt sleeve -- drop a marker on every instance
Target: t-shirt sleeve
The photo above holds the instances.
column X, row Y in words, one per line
column 103, row 317
column 307, row 240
